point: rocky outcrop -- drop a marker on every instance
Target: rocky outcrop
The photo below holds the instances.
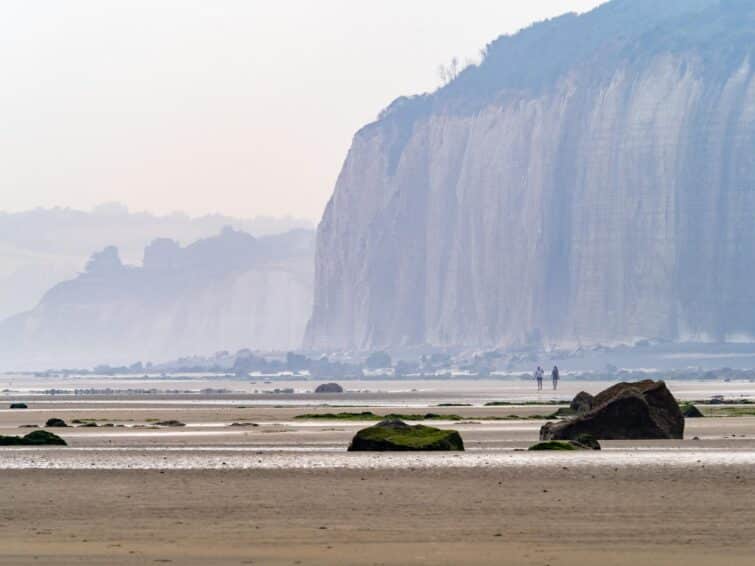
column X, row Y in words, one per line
column 329, row 388
column 395, row 434
column 626, row 411
column 591, row 181
column 55, row 422
column 228, row 292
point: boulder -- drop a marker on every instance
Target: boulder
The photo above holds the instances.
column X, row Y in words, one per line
column 36, row 438
column 689, row 411
column 582, row 403
column 19, row 406
column 329, row 388
column 626, row 411
column 55, row 423
column 395, row 434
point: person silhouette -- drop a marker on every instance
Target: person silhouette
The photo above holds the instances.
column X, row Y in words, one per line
column 555, row 376
column 539, row 378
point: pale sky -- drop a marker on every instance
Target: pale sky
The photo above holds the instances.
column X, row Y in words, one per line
column 240, row 107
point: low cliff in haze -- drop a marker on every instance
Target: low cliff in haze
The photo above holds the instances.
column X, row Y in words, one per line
column 220, row 293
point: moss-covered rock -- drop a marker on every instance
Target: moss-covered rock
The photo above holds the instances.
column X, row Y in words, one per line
column 36, row 438
column 583, row 442
column 689, row 411
column 394, row 434
column 55, row 423
column 19, row 406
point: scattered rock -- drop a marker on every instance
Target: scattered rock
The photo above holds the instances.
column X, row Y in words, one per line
column 170, row 423
column 626, row 411
column 689, row 411
column 582, row 403
column 395, row 434
column 19, row 406
column 88, row 425
column 28, row 426
column 36, row 438
column 556, row 445
column 243, row 424
column 55, row 423
column 329, row 388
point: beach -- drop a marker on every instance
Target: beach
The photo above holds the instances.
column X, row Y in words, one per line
column 246, row 482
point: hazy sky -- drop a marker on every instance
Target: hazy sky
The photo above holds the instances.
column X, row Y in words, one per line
column 240, row 107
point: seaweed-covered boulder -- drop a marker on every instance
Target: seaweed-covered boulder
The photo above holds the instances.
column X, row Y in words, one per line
column 36, row 438
column 689, row 411
column 583, row 442
column 55, row 423
column 19, row 406
column 582, row 403
column 329, row 388
column 395, row 434
column 626, row 411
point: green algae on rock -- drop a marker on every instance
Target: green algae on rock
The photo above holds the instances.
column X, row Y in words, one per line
column 394, row 434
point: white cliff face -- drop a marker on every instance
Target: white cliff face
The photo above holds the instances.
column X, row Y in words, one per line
column 223, row 293
column 611, row 205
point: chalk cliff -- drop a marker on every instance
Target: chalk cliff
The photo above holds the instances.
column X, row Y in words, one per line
column 592, row 180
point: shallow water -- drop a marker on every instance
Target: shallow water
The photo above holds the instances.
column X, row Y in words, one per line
column 332, row 457
column 384, row 393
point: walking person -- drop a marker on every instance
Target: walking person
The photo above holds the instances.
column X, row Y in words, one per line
column 555, row 377
column 539, row 377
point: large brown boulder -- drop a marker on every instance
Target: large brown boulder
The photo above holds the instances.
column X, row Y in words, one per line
column 582, row 403
column 625, row 411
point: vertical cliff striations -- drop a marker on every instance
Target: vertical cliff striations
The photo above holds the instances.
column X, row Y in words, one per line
column 592, row 180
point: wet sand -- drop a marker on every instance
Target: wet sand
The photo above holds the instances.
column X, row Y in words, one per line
column 286, row 492
column 556, row 515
